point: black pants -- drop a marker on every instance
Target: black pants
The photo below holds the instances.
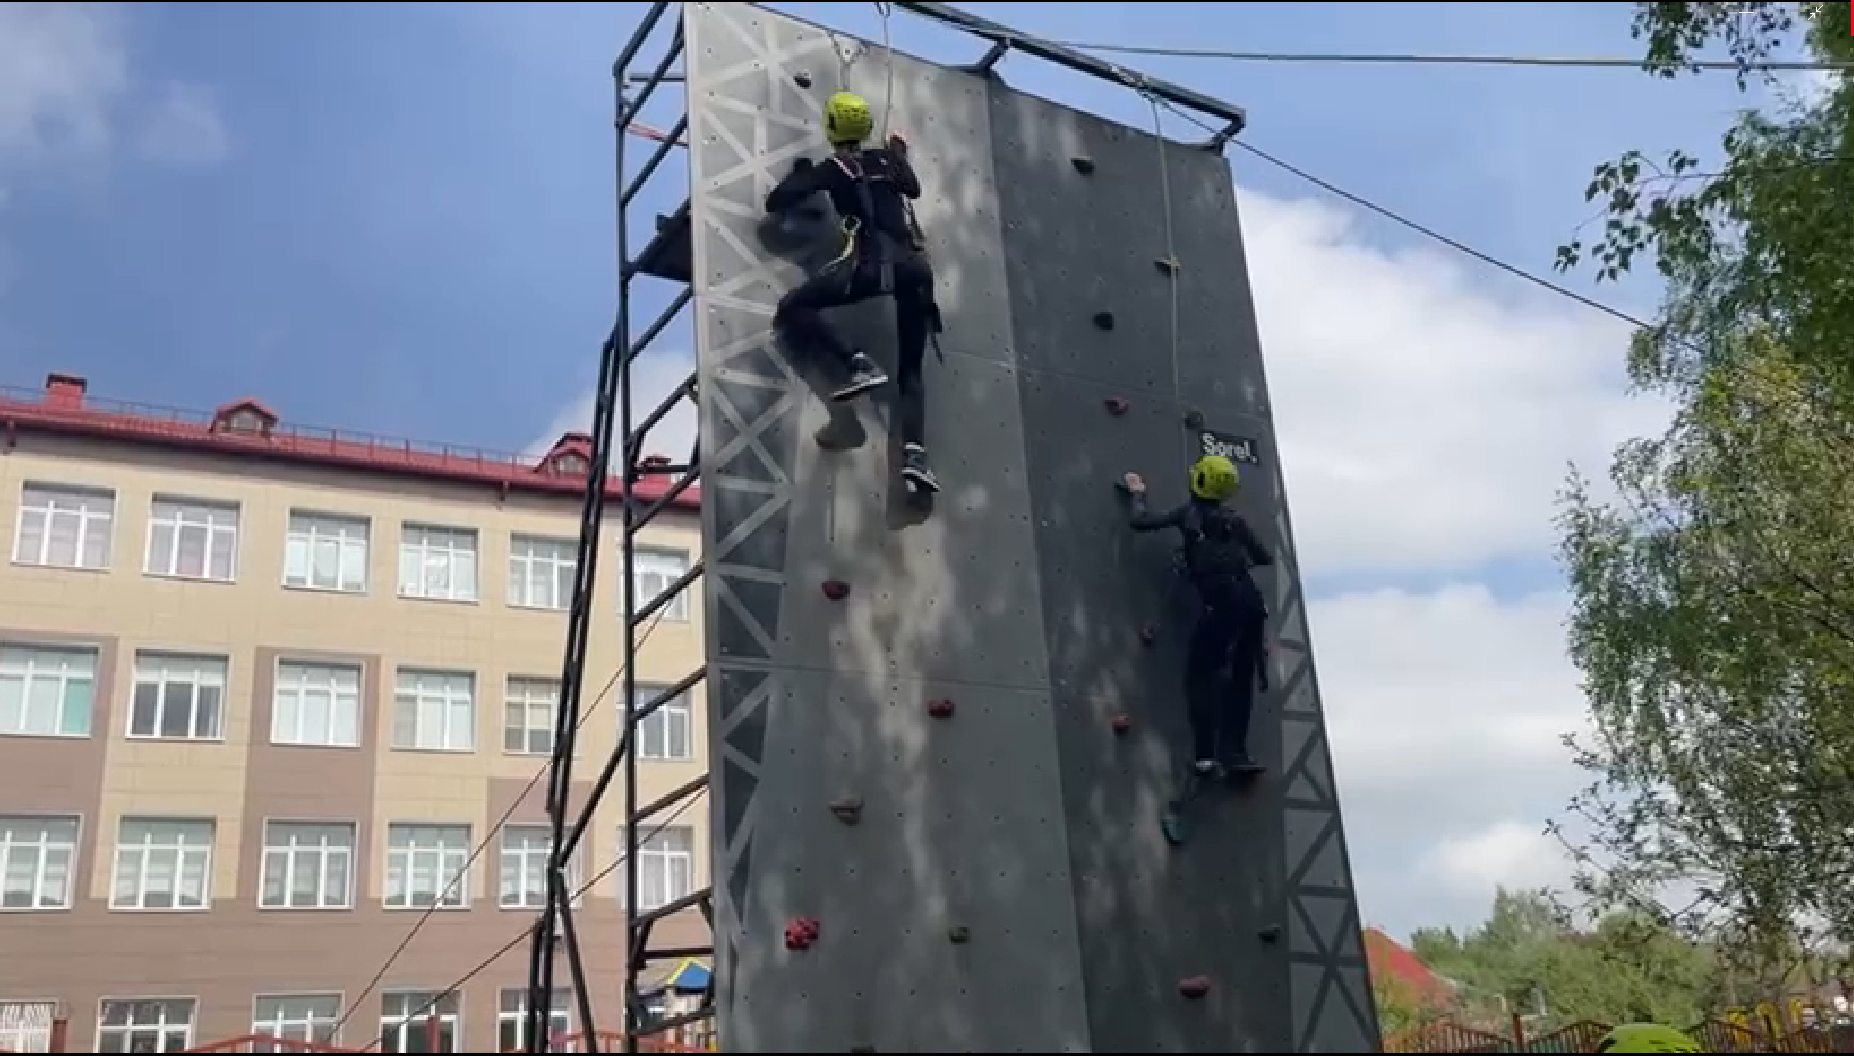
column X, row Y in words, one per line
column 860, row 276
column 1228, row 638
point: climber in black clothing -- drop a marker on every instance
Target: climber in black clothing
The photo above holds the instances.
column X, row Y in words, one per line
column 1219, row 550
column 882, row 253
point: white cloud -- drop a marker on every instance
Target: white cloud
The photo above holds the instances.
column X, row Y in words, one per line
column 1505, row 854
column 653, row 375
column 69, row 92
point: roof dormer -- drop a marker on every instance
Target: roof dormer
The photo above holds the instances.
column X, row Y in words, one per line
column 246, row 417
column 571, row 455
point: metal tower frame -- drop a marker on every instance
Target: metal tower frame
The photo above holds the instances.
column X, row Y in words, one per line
column 668, row 256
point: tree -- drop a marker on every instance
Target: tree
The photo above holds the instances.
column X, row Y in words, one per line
column 1399, row 1010
column 1713, row 597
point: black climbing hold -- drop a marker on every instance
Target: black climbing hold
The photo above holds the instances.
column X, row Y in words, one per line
column 1194, row 419
column 1085, row 166
column 801, row 78
column 959, row 934
column 849, row 810
column 1269, row 932
column 1103, row 320
column 1168, row 265
column 1116, row 405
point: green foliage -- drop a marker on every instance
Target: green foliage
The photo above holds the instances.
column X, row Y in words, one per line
column 1713, row 594
column 1399, row 1010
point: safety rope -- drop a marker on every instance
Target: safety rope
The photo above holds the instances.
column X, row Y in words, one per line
column 887, row 13
column 1172, row 265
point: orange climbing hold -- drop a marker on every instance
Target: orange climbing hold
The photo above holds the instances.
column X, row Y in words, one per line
column 941, row 708
column 1194, row 987
column 836, row 589
column 801, row 933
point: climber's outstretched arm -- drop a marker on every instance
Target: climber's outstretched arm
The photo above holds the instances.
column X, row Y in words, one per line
column 1259, row 557
column 806, row 179
column 1141, row 518
column 906, row 181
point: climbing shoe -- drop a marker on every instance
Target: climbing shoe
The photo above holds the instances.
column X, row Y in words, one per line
column 864, row 375
column 1242, row 765
column 915, row 470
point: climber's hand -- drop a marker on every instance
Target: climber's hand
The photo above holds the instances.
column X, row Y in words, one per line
column 898, row 143
column 1134, row 484
column 801, row 163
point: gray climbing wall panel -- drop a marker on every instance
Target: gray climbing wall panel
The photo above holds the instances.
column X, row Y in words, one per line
column 1021, row 821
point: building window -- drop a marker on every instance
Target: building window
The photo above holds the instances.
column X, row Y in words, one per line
column 523, row 873
column 528, row 716
column 318, row 705
column 179, row 697
column 425, row 866
column 664, row 733
column 406, row 1017
column 326, row 552
column 46, row 691
column 437, row 563
column 541, row 572
column 36, row 859
column 435, row 710
column 512, row 1020
column 295, row 1017
column 150, row 1024
column 308, row 865
column 654, row 570
column 26, row 1026
column 665, row 866
column 64, row 527
column 193, row 540
column 163, row 863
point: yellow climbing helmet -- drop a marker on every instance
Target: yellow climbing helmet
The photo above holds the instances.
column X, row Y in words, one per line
column 1214, row 477
column 1646, row 1037
column 847, row 119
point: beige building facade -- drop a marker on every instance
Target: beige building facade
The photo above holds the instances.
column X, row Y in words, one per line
column 265, row 693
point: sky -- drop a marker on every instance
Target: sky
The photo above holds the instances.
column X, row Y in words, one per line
column 397, row 219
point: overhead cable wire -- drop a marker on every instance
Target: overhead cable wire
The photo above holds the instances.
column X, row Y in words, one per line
column 526, row 933
column 489, row 838
column 1414, row 59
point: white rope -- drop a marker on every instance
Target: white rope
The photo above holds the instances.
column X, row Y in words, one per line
column 887, row 11
column 1173, row 264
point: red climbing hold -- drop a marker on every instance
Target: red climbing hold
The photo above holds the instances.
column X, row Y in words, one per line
column 1122, row 723
column 1116, row 405
column 1149, row 633
column 836, row 589
column 801, row 933
column 940, row 709
column 1194, row 987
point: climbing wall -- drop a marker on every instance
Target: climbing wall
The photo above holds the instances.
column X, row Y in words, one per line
column 943, row 740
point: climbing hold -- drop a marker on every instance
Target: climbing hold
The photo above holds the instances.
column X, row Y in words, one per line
column 1194, row 419
column 836, row 589
column 1103, row 320
column 1115, row 405
column 1194, row 987
column 862, row 1048
column 1168, row 265
column 959, row 934
column 801, row 932
column 1122, row 723
column 849, row 810
column 940, row 708
column 1269, row 932
column 801, row 78
column 1149, row 634
column 1085, row 166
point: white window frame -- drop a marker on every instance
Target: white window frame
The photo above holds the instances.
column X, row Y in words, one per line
column 454, row 550
column 182, row 517
column 654, row 852
column 531, row 556
column 47, row 845
column 140, row 857
column 653, row 569
column 410, row 852
column 530, row 891
column 521, row 696
column 125, row 1036
column 287, row 846
column 347, row 536
column 21, row 1030
column 313, row 1027
column 512, row 1018
column 27, row 662
column 395, row 1026
column 427, row 697
column 655, row 732
column 298, row 682
column 52, row 502
column 161, row 670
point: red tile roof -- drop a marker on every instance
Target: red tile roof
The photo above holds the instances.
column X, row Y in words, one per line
column 247, row 427
column 1391, row 960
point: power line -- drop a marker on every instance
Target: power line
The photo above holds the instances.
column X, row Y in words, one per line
column 1414, row 59
column 488, row 838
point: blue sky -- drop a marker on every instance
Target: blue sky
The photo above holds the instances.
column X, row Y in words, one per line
column 396, row 218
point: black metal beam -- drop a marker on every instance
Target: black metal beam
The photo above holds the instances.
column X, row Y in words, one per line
column 1233, row 117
